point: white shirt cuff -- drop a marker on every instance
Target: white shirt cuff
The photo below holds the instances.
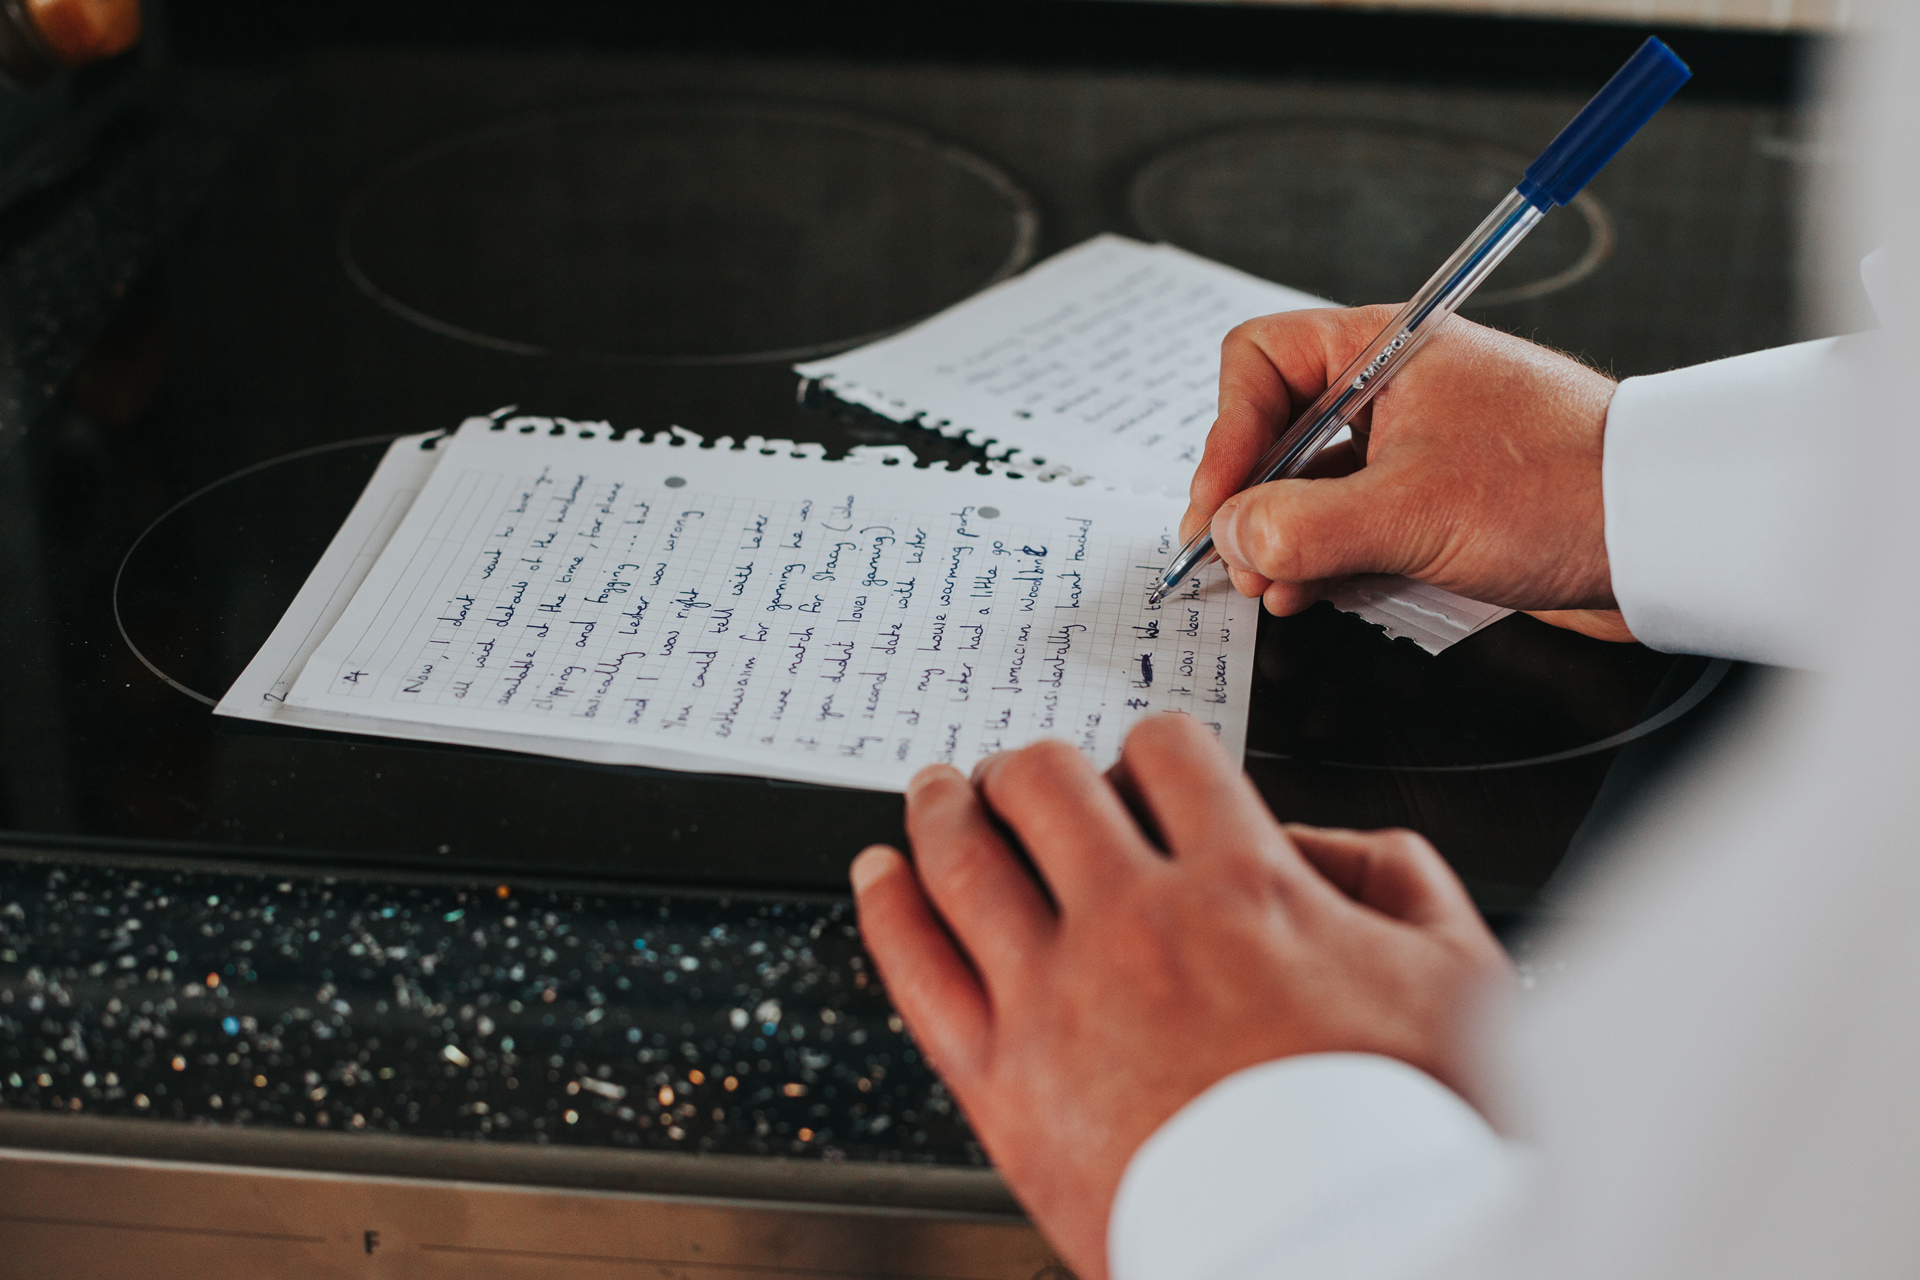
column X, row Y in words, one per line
column 1725, row 488
column 1320, row 1166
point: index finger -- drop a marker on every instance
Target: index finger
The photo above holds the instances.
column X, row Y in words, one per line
column 1270, row 368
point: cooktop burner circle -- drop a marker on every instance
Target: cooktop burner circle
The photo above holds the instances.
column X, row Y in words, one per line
column 203, row 586
column 1358, row 212
column 683, row 232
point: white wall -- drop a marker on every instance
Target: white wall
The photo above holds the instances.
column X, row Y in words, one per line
column 1806, row 15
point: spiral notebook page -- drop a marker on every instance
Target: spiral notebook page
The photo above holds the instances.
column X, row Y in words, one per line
column 1103, row 363
column 797, row 618
column 261, row 691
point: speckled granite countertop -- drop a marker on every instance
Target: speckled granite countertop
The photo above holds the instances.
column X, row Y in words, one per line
column 490, row 1012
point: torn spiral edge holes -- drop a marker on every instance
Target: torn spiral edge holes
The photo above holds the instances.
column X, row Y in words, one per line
column 496, row 422
column 676, row 436
column 1012, row 455
column 1015, row 455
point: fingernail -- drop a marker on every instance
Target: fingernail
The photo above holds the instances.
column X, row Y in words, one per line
column 1225, row 535
column 873, row 862
column 922, row 778
column 986, row 763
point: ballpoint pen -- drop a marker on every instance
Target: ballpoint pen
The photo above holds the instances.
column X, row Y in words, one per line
column 1638, row 90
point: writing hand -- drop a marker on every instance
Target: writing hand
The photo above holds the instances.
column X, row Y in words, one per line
column 1476, row 469
column 1072, row 1017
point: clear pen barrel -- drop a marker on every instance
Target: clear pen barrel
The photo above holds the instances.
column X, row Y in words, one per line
column 1461, row 274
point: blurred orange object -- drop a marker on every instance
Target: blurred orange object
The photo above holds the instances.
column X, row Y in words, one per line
column 77, row 32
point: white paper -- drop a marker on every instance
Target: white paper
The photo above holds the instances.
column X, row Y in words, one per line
column 1103, row 363
column 263, row 687
column 786, row 616
column 261, row 691
column 1427, row 615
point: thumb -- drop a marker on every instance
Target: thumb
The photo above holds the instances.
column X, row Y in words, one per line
column 1309, row 530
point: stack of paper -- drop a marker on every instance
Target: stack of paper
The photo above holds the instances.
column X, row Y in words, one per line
column 750, row 610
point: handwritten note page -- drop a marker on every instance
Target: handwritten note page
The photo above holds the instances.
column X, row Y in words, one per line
column 791, row 617
column 1102, row 361
column 261, row 691
column 343, row 566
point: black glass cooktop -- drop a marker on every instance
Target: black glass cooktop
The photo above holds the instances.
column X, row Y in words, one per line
column 392, row 240
column 682, row 230
column 233, row 267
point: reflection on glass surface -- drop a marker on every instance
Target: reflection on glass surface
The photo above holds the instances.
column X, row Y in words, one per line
column 689, row 232
column 1345, row 208
column 1332, row 689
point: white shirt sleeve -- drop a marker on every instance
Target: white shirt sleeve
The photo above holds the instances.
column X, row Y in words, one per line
column 1720, row 1082
column 1321, row 1166
column 1726, row 519
column 1726, row 508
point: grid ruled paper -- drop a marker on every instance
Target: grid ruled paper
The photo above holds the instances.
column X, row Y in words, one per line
column 790, row 617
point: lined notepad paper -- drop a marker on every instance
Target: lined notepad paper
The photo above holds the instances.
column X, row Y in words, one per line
column 1102, row 362
column 744, row 610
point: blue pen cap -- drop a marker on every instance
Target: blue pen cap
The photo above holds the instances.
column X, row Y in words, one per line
column 1627, row 101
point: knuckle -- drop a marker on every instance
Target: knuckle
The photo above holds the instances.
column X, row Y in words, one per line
column 1407, row 844
column 1048, row 758
column 1159, row 735
column 1241, row 334
column 1285, row 563
column 1148, row 906
column 934, row 784
column 1264, row 541
column 1243, row 880
column 1032, row 772
column 963, row 868
column 1368, row 320
column 933, row 802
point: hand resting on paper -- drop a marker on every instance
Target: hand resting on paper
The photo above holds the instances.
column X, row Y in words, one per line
column 1476, row 469
column 1071, row 1019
